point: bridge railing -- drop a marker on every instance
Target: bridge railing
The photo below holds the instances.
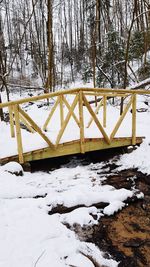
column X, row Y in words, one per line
column 82, row 98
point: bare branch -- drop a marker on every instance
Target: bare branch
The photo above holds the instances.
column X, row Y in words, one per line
column 10, row 68
column 39, row 258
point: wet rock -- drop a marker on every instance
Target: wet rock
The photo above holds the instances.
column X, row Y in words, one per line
column 63, row 209
column 27, row 167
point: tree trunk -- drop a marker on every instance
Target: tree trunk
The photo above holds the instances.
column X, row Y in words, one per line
column 1, row 111
column 50, row 80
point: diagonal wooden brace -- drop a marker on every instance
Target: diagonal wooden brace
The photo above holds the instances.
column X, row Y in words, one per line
column 51, row 114
column 73, row 114
column 100, row 127
column 36, row 128
column 120, row 120
column 66, row 120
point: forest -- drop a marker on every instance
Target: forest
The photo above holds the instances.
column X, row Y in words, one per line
column 50, row 44
column 74, row 163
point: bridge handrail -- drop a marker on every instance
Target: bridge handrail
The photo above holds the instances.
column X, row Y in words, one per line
column 76, row 90
column 82, row 101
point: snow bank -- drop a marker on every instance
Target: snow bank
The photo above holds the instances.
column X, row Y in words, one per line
column 13, row 168
column 82, row 216
column 113, row 207
column 31, row 237
column 139, row 158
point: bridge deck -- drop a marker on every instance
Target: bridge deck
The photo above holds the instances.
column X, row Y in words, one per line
column 72, row 148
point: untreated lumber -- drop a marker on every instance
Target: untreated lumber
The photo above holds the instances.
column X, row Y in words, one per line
column 72, row 91
column 36, row 128
column 11, row 119
column 104, row 110
column 81, row 117
column 66, row 120
column 120, row 120
column 18, row 134
column 96, row 112
column 68, row 107
column 61, row 110
column 73, row 147
column 100, row 127
column 133, row 119
column 50, row 114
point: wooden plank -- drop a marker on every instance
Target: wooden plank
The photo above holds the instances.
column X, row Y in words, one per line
column 110, row 90
column 51, row 114
column 71, row 91
column 96, row 112
column 120, row 120
column 108, row 94
column 61, row 110
column 73, row 114
column 36, row 128
column 81, row 115
column 12, row 129
column 23, row 120
column 66, row 120
column 40, row 97
column 133, row 119
column 100, row 127
column 71, row 148
column 104, row 110
column 18, row 134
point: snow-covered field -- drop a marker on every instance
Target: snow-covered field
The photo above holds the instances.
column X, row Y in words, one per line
column 31, row 234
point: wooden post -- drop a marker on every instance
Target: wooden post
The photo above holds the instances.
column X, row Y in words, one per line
column 12, row 130
column 81, row 121
column 104, row 110
column 61, row 110
column 18, row 134
column 134, row 119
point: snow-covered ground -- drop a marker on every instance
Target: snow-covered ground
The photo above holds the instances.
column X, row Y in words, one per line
column 31, row 234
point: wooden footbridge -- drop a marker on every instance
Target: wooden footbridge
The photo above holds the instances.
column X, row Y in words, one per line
column 78, row 106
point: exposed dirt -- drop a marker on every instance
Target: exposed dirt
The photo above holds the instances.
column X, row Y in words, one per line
column 126, row 235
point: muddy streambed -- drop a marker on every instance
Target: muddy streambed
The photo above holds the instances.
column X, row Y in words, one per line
column 125, row 236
